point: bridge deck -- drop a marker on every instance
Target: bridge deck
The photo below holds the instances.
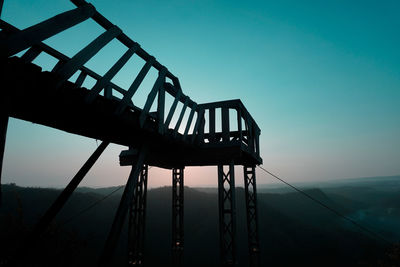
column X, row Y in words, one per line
column 29, row 94
column 54, row 100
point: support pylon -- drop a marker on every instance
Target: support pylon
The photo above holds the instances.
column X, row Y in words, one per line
column 227, row 215
column 177, row 217
column 126, row 199
column 137, row 218
column 251, row 212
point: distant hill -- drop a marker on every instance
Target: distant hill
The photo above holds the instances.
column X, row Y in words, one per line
column 294, row 231
column 382, row 183
column 100, row 191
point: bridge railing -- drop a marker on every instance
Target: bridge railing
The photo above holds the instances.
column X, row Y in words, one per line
column 14, row 41
column 35, row 50
column 240, row 128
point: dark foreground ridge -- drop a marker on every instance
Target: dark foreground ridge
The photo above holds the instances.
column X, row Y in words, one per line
column 293, row 230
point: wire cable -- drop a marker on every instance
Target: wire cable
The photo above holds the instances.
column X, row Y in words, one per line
column 372, row 233
column 73, row 217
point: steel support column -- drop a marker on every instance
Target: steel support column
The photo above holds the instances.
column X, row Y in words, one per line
column 251, row 211
column 126, row 199
column 137, row 217
column 177, row 217
column 3, row 134
column 227, row 215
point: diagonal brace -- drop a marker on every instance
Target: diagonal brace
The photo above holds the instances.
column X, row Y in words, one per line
column 126, row 199
column 3, row 134
column 67, row 192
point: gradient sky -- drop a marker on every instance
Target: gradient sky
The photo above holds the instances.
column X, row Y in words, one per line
column 321, row 78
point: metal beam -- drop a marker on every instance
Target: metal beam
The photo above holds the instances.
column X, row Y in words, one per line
column 227, row 215
column 150, row 97
column 105, row 80
column 225, row 125
column 3, row 135
column 189, row 121
column 211, row 125
column 67, row 192
column 172, row 109
column 199, row 120
column 126, row 199
column 178, row 123
column 251, row 211
column 177, row 216
column 239, row 123
column 137, row 218
column 81, row 78
column 67, row 69
column 31, row 54
column 41, row 31
column 161, row 110
column 134, row 86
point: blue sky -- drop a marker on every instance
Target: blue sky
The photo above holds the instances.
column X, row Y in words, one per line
column 321, row 78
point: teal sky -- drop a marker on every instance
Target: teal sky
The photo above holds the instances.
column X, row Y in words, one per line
column 321, row 78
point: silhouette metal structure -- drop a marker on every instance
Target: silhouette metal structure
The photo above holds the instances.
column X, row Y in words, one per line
column 55, row 100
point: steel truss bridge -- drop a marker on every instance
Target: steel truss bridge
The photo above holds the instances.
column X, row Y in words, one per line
column 53, row 99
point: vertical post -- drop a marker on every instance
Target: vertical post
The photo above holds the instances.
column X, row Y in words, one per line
column 239, row 123
column 161, row 109
column 257, row 137
column 3, row 135
column 197, row 126
column 150, row 97
column 126, row 199
column 178, row 123
column 211, row 126
column 227, row 215
column 108, row 91
column 250, row 133
column 177, row 217
column 189, row 122
column 201, row 128
column 172, row 109
column 137, row 218
column 251, row 211
column 225, row 124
